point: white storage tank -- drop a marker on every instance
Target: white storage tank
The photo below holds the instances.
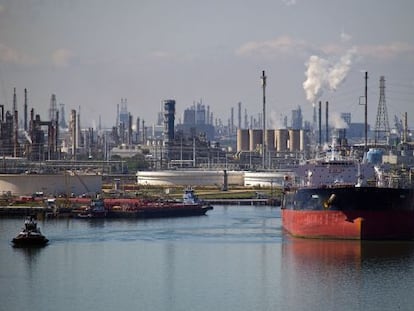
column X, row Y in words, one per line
column 189, row 177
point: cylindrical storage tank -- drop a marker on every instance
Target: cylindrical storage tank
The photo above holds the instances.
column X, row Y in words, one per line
column 303, row 140
column 190, row 177
column 242, row 140
column 281, row 139
column 266, row 179
column 294, row 140
column 270, row 140
column 256, row 138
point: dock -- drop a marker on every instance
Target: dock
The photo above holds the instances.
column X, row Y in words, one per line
column 254, row 202
column 15, row 210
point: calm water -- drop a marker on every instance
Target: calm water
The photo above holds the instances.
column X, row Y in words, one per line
column 236, row 258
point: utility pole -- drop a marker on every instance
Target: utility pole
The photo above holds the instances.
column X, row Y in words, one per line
column 263, row 79
column 366, row 110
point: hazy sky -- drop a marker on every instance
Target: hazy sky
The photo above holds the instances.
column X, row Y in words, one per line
column 92, row 53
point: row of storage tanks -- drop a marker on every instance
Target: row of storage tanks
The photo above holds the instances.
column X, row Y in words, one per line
column 279, row 140
column 211, row 178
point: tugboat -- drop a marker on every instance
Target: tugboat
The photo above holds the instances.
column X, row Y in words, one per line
column 96, row 209
column 30, row 235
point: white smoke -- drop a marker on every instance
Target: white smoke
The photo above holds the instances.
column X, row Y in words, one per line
column 336, row 121
column 275, row 121
column 321, row 74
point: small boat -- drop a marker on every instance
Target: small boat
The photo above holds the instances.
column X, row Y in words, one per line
column 30, row 234
column 96, row 209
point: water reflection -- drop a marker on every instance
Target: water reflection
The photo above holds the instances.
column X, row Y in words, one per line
column 323, row 274
column 338, row 252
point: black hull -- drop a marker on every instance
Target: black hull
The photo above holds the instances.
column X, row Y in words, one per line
column 160, row 212
column 361, row 213
column 29, row 242
column 350, row 198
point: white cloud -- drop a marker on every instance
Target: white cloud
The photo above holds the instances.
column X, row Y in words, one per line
column 62, row 57
column 12, row 56
column 2, row 8
column 386, row 51
column 284, row 44
column 162, row 55
column 289, row 2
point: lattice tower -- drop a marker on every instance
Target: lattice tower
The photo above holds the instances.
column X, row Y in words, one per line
column 382, row 127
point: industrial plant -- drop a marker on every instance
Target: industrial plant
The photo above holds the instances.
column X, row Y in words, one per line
column 241, row 145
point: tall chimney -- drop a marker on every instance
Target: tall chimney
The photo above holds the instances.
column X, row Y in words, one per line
column 326, row 123
column 25, row 110
column 405, row 128
column 239, row 115
column 73, row 128
column 320, row 123
column 263, row 79
column 14, row 100
column 16, row 134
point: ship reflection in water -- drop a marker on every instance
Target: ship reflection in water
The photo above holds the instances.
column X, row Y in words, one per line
column 319, row 273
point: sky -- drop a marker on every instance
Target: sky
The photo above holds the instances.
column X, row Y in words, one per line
column 92, row 53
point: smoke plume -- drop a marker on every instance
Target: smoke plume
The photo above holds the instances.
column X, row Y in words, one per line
column 337, row 122
column 321, row 74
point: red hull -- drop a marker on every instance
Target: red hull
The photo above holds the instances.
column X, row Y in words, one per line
column 358, row 225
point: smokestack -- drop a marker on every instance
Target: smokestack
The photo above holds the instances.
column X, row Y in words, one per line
column 263, row 79
column 143, row 132
column 130, row 130
column 405, row 128
column 25, row 110
column 16, row 133
column 320, row 123
column 56, row 132
column 366, row 111
column 232, row 120
column 117, row 115
column 73, row 128
column 239, row 115
column 326, row 123
column 14, row 100
column 138, row 131
column 78, row 129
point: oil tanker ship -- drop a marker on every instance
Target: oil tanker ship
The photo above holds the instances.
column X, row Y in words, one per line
column 341, row 198
column 190, row 205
